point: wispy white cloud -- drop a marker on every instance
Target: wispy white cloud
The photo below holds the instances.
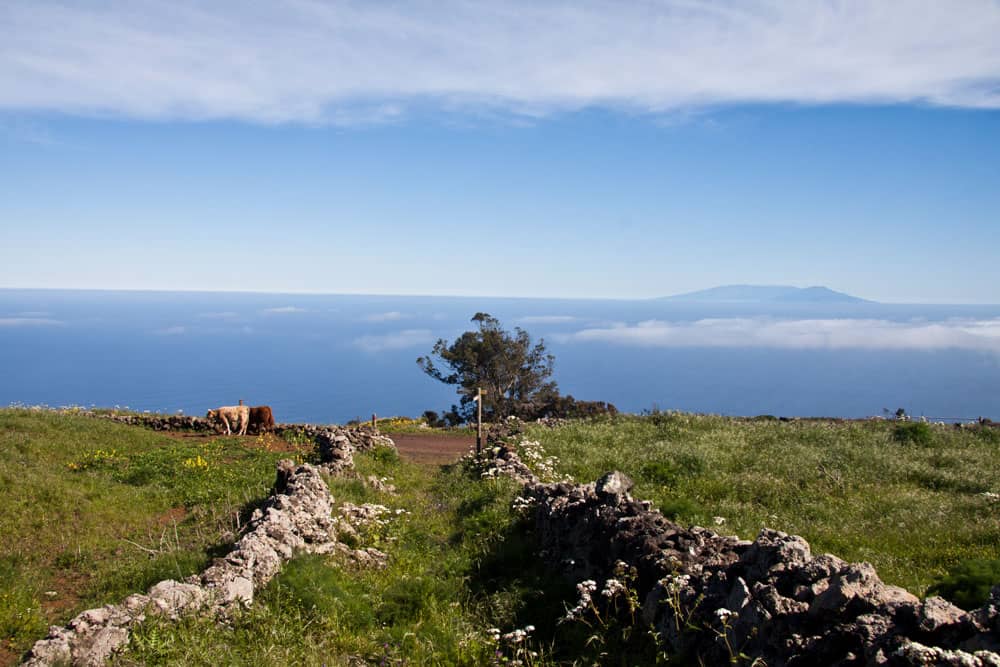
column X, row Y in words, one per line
column 29, row 322
column 547, row 319
column 223, row 315
column 172, row 331
column 354, row 62
column 801, row 334
column 283, row 310
column 395, row 341
column 391, row 316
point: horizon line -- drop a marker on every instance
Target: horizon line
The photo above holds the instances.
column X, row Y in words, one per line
column 459, row 296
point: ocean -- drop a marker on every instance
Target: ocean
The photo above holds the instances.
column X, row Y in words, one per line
column 332, row 358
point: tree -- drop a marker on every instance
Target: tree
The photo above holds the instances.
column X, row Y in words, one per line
column 513, row 373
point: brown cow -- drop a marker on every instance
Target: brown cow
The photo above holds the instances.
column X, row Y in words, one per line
column 261, row 419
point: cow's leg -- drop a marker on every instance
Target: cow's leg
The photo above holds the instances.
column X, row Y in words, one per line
column 225, row 421
column 244, row 422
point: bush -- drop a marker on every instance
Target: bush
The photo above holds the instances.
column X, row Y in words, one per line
column 917, row 433
column 567, row 407
column 968, row 584
column 385, row 455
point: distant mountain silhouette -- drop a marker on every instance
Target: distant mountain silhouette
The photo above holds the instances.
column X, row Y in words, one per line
column 766, row 294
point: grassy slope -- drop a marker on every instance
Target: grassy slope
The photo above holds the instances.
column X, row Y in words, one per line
column 94, row 511
column 853, row 489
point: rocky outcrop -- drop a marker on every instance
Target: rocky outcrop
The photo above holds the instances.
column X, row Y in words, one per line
column 713, row 598
column 297, row 518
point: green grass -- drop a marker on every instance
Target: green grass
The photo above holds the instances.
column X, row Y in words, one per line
column 94, row 511
column 907, row 498
column 81, row 494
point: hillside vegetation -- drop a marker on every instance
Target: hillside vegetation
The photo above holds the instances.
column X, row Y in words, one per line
column 96, row 510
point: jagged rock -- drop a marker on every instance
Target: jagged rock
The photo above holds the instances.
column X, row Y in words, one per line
column 614, row 486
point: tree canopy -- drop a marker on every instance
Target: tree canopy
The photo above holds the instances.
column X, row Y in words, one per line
column 514, row 374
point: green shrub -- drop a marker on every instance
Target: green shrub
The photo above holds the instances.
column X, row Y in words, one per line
column 385, row 455
column 968, row 584
column 917, row 433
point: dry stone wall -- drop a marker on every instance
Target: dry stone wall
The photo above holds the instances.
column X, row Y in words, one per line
column 361, row 438
column 297, row 518
column 711, row 597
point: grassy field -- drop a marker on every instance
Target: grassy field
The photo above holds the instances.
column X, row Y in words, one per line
column 911, row 498
column 96, row 510
column 93, row 511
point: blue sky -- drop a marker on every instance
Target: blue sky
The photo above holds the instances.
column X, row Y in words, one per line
column 517, row 149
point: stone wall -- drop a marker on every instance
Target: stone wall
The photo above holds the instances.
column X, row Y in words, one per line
column 711, row 597
column 297, row 518
column 361, row 438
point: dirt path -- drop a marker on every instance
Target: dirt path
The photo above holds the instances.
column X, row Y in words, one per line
column 431, row 449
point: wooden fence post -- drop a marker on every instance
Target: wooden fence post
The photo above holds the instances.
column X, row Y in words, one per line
column 479, row 421
column 374, row 422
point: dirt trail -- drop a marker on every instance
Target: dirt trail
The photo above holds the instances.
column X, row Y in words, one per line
column 431, row 449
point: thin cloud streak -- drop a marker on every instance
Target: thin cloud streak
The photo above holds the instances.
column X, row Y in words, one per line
column 836, row 334
column 399, row 340
column 391, row 316
column 547, row 319
column 29, row 322
column 352, row 63
column 172, row 331
column 284, row 310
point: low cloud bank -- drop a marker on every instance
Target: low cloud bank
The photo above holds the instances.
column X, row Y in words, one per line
column 395, row 341
column 801, row 334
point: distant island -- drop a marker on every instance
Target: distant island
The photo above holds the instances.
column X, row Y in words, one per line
column 766, row 294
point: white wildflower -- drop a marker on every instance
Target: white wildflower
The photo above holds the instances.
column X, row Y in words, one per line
column 612, row 587
column 724, row 614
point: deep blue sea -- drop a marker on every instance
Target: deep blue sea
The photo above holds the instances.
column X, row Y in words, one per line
column 332, row 358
